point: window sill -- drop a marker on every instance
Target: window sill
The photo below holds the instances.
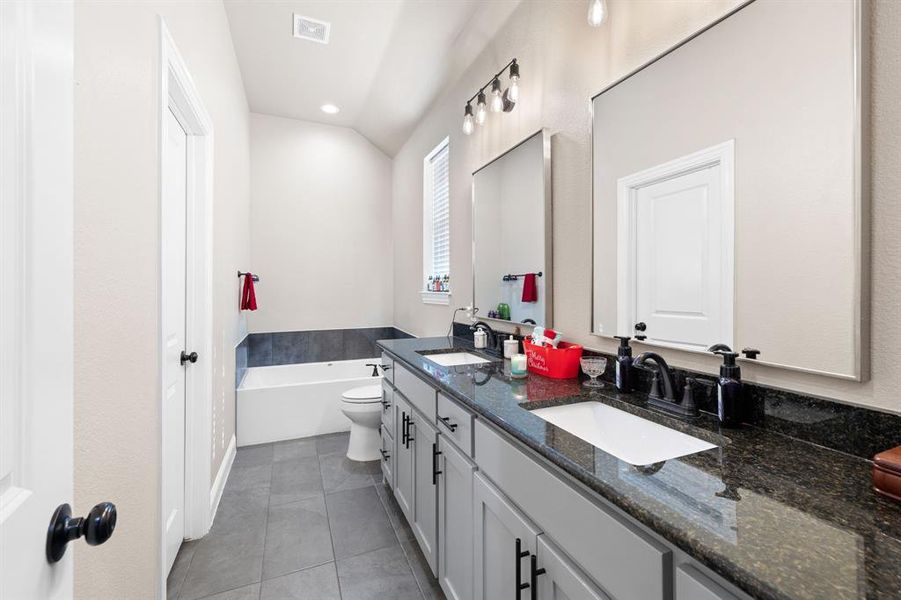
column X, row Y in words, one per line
column 435, row 297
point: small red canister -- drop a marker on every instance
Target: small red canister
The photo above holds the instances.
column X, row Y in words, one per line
column 557, row 363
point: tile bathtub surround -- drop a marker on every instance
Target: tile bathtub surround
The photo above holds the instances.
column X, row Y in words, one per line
column 299, row 521
column 854, row 430
column 292, row 347
column 779, row 517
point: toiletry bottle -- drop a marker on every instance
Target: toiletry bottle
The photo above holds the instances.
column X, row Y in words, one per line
column 480, row 338
column 511, row 347
column 623, row 376
column 728, row 391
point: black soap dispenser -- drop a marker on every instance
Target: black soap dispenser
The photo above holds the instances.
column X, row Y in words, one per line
column 728, row 388
column 623, row 375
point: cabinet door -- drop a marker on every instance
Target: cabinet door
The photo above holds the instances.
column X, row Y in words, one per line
column 388, row 408
column 403, row 458
column 503, row 541
column 691, row 584
column 388, row 457
column 425, row 488
column 556, row 578
column 455, row 522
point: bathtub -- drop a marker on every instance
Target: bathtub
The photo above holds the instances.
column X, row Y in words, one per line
column 285, row 402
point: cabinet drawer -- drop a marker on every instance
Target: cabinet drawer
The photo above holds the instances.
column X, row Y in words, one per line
column 455, row 423
column 388, row 408
column 627, row 564
column 388, row 367
column 691, row 584
column 416, row 391
column 388, row 450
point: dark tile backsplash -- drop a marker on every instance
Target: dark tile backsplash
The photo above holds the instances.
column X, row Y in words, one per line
column 851, row 429
column 292, row 347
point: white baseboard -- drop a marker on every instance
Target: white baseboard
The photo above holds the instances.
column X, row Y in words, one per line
column 221, row 477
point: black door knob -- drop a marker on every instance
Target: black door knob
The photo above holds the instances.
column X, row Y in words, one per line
column 641, row 326
column 96, row 528
column 191, row 358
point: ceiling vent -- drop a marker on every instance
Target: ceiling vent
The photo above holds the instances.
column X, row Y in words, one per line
column 314, row 30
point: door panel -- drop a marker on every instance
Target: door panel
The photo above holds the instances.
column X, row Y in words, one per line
column 425, row 495
column 455, row 522
column 561, row 579
column 403, row 464
column 498, row 525
column 174, row 268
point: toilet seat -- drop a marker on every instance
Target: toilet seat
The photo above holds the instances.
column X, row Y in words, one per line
column 366, row 394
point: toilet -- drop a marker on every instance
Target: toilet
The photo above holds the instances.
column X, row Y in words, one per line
column 362, row 405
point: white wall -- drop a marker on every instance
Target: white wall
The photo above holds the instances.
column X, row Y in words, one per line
column 320, row 227
column 564, row 62
column 117, row 265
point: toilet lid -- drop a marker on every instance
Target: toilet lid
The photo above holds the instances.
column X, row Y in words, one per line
column 364, row 394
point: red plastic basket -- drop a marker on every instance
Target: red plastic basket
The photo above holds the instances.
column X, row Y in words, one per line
column 557, row 363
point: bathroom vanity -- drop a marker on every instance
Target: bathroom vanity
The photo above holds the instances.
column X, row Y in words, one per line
column 506, row 504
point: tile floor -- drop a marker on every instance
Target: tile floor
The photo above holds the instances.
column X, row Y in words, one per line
column 298, row 521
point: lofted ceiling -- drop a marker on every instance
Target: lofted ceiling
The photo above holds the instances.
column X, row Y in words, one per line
column 386, row 60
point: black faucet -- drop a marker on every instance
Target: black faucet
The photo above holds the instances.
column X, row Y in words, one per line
column 492, row 335
column 668, row 402
column 375, row 368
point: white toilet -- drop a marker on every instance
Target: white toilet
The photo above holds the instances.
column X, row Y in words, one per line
column 363, row 406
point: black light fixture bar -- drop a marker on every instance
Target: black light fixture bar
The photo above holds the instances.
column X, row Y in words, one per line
column 490, row 81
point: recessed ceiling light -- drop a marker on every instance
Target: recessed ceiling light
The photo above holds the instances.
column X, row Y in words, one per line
column 329, row 109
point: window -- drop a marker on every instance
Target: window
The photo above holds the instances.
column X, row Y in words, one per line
column 436, row 225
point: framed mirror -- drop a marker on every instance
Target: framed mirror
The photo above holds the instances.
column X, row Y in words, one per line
column 728, row 194
column 511, row 234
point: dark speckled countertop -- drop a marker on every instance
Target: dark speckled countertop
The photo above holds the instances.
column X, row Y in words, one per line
column 779, row 517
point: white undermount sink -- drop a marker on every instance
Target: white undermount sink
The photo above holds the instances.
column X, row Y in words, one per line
column 455, row 359
column 630, row 438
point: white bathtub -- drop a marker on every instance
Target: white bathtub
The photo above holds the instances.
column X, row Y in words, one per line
column 285, row 402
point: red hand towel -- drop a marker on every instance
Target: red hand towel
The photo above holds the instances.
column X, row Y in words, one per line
column 529, row 288
column 248, row 296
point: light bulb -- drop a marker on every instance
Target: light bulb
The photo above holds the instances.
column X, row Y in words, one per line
column 513, row 90
column 597, row 12
column 468, row 125
column 497, row 101
column 481, row 109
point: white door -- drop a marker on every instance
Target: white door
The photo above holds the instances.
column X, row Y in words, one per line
column 175, row 162
column 680, row 287
column 36, row 307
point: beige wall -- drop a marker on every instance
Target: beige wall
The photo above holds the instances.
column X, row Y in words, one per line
column 321, row 227
column 117, row 414
column 564, row 63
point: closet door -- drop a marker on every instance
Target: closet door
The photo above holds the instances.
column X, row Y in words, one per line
column 455, row 522
column 425, row 488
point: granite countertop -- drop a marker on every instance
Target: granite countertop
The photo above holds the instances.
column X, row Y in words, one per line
column 778, row 517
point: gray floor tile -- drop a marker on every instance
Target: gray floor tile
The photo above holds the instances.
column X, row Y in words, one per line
column 358, row 522
column 229, row 557
column 340, row 473
column 237, row 502
column 395, row 516
column 428, row 585
column 179, row 569
column 332, row 443
column 295, row 480
column 294, row 449
column 318, row 583
column 248, row 592
column 244, row 478
column 253, row 456
column 297, row 537
column 377, row 575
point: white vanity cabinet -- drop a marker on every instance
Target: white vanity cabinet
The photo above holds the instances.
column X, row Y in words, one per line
column 503, row 540
column 423, row 439
column 691, row 584
column 403, row 463
column 554, row 577
column 455, row 521
column 388, row 451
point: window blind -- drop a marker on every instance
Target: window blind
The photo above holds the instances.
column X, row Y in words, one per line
column 440, row 212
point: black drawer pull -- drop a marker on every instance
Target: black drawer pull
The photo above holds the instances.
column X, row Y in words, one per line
column 520, row 554
column 410, row 425
column 403, row 428
column 435, row 471
column 385, row 455
column 534, row 578
column 447, row 423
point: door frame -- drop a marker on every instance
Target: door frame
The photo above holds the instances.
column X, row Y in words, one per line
column 177, row 90
column 722, row 155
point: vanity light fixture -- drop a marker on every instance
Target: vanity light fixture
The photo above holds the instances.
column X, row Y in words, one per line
column 597, row 12
column 501, row 100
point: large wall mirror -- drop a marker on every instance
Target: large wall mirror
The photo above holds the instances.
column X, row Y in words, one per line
column 728, row 201
column 511, row 231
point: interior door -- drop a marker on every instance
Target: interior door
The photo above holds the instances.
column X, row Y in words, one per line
column 36, row 293
column 174, row 234
column 679, row 295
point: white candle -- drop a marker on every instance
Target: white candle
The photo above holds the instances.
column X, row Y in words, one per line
column 518, row 365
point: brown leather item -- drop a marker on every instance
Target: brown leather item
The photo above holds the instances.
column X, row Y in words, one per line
column 887, row 473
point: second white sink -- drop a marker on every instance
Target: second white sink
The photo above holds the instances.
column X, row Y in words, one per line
column 455, row 359
column 630, row 438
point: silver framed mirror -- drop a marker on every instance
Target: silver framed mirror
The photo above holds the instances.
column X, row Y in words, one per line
column 512, row 243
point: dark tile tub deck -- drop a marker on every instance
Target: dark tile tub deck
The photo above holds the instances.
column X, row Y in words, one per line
column 780, row 517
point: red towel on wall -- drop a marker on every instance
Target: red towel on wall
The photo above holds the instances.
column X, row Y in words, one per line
column 529, row 288
column 248, row 296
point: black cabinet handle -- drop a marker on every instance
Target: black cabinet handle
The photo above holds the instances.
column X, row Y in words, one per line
column 403, row 428
column 185, row 357
column 410, row 425
column 96, row 528
column 534, row 577
column 447, row 423
column 435, row 471
column 385, row 367
column 385, row 454
column 520, row 554
column 385, row 404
